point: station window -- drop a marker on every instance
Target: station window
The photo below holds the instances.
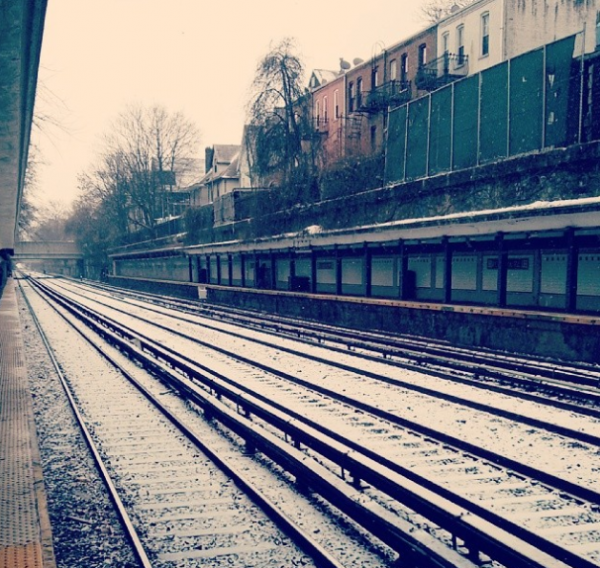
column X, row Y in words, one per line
column 393, row 70
column 404, row 67
column 336, row 104
column 485, row 34
column 374, row 77
column 422, row 55
column 351, row 97
column 460, row 44
column 445, row 42
column 359, row 92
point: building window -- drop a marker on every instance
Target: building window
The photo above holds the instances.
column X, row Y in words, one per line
column 485, row 34
column 445, row 42
column 336, row 104
column 373, row 138
column 358, row 92
column 374, row 77
column 460, row 44
column 351, row 97
column 422, row 55
column 404, row 67
column 393, row 70
column 318, row 112
column 325, row 115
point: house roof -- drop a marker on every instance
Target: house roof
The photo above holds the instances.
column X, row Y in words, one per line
column 230, row 172
column 321, row 76
column 225, row 153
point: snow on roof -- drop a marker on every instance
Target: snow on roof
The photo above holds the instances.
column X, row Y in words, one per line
column 321, row 76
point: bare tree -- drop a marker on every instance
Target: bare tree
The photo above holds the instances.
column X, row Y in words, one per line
column 28, row 212
column 51, row 223
column 433, row 11
column 145, row 150
column 278, row 117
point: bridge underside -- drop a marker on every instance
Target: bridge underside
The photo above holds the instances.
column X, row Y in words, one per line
column 21, row 28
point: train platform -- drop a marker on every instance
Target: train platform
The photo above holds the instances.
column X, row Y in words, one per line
column 25, row 532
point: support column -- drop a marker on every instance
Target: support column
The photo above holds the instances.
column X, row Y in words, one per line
column 402, row 271
column 338, row 272
column 243, row 270
column 292, row 280
column 313, row 271
column 502, row 271
column 367, row 269
column 219, row 269
column 208, row 274
column 273, row 270
column 572, row 269
column 447, row 271
column 230, row 269
column 256, row 270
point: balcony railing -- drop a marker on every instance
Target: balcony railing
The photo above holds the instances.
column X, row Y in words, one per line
column 321, row 124
column 445, row 69
column 390, row 94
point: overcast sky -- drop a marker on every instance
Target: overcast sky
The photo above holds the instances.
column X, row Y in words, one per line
column 194, row 56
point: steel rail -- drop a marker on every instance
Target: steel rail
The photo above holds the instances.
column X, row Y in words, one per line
column 348, row 461
column 534, row 422
column 128, row 527
column 401, row 536
column 552, row 369
column 443, row 367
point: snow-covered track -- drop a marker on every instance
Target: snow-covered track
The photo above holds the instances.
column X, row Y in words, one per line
column 551, row 378
column 427, row 485
column 323, row 358
column 182, row 501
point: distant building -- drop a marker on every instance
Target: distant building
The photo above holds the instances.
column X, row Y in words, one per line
column 222, row 174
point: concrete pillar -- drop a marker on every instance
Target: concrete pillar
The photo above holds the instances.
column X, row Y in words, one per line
column 313, row 271
column 367, row 270
column 502, row 271
column 338, row 272
column 572, row 269
column 447, row 271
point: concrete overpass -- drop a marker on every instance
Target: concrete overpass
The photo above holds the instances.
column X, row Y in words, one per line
column 21, row 30
column 55, row 257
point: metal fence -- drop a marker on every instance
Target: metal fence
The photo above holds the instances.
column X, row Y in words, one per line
column 542, row 99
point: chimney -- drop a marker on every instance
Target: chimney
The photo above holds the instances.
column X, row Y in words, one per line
column 209, row 153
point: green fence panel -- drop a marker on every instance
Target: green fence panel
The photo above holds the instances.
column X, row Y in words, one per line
column 466, row 109
column 526, row 104
column 418, row 125
column 396, row 145
column 493, row 128
column 562, row 91
column 440, row 136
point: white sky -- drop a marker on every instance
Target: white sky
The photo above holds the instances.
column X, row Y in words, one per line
column 194, row 56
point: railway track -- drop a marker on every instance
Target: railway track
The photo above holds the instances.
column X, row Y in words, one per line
column 458, row 488
column 185, row 494
column 289, row 351
column 571, row 381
